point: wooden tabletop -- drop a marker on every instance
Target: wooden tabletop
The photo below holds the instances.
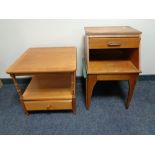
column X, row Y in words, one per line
column 114, row 30
column 45, row 60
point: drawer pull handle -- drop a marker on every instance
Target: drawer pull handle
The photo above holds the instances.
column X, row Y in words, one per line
column 49, row 107
column 114, row 44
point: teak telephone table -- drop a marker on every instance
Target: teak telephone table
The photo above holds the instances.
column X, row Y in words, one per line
column 53, row 83
column 111, row 53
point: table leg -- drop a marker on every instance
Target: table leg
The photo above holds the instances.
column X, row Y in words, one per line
column 132, row 83
column 19, row 92
column 1, row 84
column 73, row 85
column 90, row 83
column 74, row 105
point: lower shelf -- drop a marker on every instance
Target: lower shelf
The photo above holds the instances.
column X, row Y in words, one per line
column 46, row 87
column 49, row 92
column 111, row 67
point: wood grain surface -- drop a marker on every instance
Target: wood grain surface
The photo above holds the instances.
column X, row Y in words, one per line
column 111, row 30
column 47, row 87
column 45, row 60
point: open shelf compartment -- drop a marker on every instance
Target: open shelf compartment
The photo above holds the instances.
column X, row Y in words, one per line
column 49, row 87
column 113, row 61
column 49, row 92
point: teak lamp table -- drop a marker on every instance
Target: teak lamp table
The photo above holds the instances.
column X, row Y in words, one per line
column 53, row 83
column 111, row 53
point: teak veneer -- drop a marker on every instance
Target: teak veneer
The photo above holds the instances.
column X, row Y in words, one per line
column 53, row 82
column 111, row 53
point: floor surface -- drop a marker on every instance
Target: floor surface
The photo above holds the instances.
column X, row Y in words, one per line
column 107, row 114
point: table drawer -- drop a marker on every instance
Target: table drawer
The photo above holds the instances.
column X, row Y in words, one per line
column 48, row 105
column 97, row 43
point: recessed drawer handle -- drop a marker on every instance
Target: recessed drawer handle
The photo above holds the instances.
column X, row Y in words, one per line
column 49, row 107
column 114, row 44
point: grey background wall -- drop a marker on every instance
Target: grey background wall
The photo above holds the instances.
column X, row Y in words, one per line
column 18, row 35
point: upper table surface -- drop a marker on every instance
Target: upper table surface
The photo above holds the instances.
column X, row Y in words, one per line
column 114, row 30
column 45, row 60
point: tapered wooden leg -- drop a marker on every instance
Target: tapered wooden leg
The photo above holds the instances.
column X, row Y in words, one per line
column 1, row 84
column 90, row 83
column 132, row 83
column 74, row 105
column 19, row 92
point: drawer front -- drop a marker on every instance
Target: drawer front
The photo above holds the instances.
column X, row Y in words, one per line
column 97, row 43
column 48, row 105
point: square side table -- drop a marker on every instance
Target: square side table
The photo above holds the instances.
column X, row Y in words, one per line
column 53, row 72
